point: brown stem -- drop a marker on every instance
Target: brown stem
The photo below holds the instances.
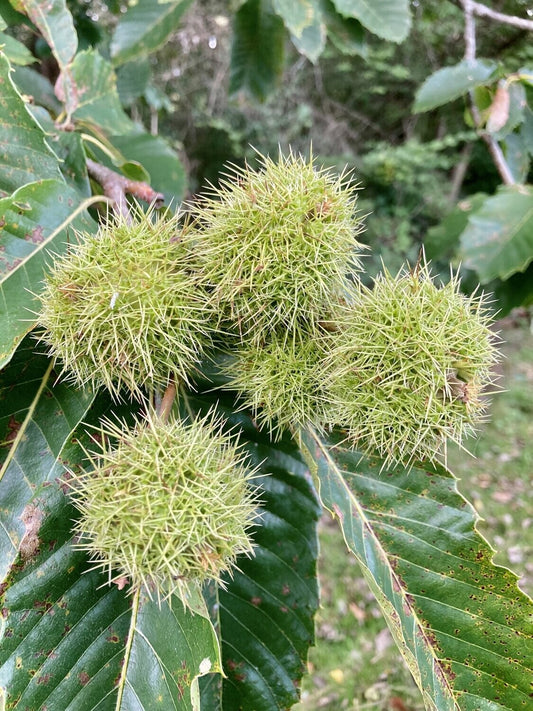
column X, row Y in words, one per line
column 167, row 401
column 116, row 186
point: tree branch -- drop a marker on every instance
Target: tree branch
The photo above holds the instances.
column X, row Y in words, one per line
column 484, row 11
column 470, row 8
column 470, row 31
column 116, row 186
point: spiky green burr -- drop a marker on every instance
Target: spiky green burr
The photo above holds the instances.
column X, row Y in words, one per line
column 168, row 505
column 281, row 381
column 409, row 365
column 123, row 307
column 275, row 244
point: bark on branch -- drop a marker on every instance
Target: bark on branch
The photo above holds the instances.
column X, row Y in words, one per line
column 116, row 187
column 483, row 11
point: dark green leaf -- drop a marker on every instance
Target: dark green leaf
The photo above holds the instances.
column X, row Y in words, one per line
column 63, row 637
column 461, row 623
column 513, row 292
column 24, row 153
column 165, row 169
column 34, row 222
column 31, row 83
column 33, row 459
column 450, row 83
column 266, row 614
column 132, row 80
column 389, row 19
column 146, row 26
column 498, row 240
column 68, row 146
column 257, row 53
column 97, row 96
column 71, row 641
column 19, row 382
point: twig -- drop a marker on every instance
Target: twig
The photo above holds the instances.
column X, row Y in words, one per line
column 470, row 31
column 484, row 11
column 470, row 8
column 116, row 186
column 167, row 401
column 459, row 173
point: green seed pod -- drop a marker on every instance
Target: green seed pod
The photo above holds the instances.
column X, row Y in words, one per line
column 275, row 245
column 168, row 506
column 281, row 381
column 409, row 365
column 123, row 308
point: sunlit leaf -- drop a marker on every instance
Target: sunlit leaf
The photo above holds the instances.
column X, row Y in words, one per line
column 498, row 240
column 450, row 83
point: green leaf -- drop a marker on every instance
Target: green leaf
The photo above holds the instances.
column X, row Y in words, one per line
column 296, row 14
column 516, row 156
column 54, row 21
column 498, row 240
column 513, row 292
column 265, row 616
column 257, row 53
column 312, row 40
column 526, row 130
column 144, row 27
column 97, row 96
column 389, row 19
column 24, row 153
column 15, row 51
column 461, row 623
column 68, row 147
column 56, row 25
column 31, row 83
column 450, row 83
column 34, row 222
column 166, row 171
column 132, row 80
column 170, row 648
column 347, row 34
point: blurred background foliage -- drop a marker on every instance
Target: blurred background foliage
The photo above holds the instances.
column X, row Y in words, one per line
column 223, row 85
